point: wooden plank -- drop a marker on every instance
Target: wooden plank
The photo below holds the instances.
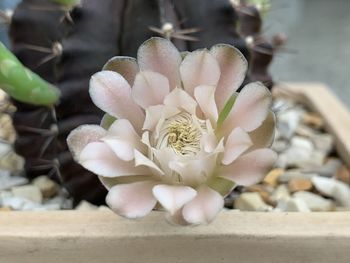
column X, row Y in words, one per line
column 323, row 100
column 68, row 236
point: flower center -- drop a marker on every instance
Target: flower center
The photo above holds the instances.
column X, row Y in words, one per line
column 182, row 133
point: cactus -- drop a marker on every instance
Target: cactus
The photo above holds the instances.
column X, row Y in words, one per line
column 22, row 84
column 66, row 41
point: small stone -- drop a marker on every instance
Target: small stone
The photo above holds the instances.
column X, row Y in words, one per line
column 5, row 209
column 47, row 187
column 251, row 202
column 19, row 203
column 301, row 142
column 288, row 122
column 295, row 174
column 343, row 174
column 7, row 132
column 315, row 202
column 7, row 181
column 281, row 192
column 5, row 149
column 313, row 119
column 12, row 162
column 323, row 142
column 85, row 206
column 300, row 152
column 61, row 201
column 333, row 188
column 305, row 131
column 299, row 184
column 262, row 190
column 282, row 161
column 279, row 146
column 342, row 209
column 326, row 170
column 292, row 205
column 272, row 177
column 103, row 208
column 30, row 192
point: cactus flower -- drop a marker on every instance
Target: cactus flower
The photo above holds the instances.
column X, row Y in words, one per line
column 176, row 133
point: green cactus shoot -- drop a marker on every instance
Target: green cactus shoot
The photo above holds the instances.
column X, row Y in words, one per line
column 22, row 84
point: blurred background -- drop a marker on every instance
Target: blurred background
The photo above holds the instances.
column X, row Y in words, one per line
column 318, row 42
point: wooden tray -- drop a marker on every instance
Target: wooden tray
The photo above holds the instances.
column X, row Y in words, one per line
column 101, row 236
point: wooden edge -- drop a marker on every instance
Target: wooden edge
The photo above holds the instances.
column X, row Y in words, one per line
column 322, row 100
column 68, row 236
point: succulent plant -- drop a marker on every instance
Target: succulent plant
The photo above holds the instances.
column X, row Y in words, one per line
column 67, row 41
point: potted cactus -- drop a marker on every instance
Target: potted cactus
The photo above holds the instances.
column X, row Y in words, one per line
column 65, row 42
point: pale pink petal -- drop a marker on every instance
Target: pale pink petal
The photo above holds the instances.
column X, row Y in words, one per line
column 173, row 197
column 141, row 160
column 199, row 68
column 204, row 207
column 125, row 66
column 155, row 113
column 250, row 168
column 176, row 218
column 206, row 101
column 263, row 136
column 160, row 55
column 123, row 139
column 209, row 142
column 180, row 99
column 236, row 144
column 195, row 171
column 150, row 88
column 123, row 149
column 98, row 158
column 123, row 129
column 109, row 182
column 132, row 200
column 112, row 93
column 250, row 109
column 233, row 67
column 164, row 156
column 83, row 135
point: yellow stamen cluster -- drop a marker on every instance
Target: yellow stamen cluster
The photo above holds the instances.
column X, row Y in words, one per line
column 182, row 133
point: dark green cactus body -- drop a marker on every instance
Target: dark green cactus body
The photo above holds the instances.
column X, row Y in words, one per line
column 98, row 31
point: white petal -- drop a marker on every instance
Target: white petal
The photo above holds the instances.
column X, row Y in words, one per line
column 150, row 88
column 173, row 197
column 125, row 66
column 83, row 135
column 180, row 99
column 250, row 109
column 141, row 160
column 250, row 168
column 263, row 136
column 199, row 68
column 160, row 55
column 206, row 101
column 132, row 200
column 123, row 139
column 155, row 113
column 112, row 93
column 204, row 207
column 98, row 158
column 233, row 67
column 236, row 144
